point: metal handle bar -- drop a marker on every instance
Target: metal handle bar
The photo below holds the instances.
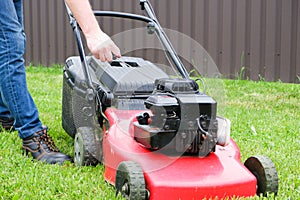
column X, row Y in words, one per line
column 122, row 15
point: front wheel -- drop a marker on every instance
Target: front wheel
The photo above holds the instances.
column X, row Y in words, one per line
column 265, row 172
column 130, row 181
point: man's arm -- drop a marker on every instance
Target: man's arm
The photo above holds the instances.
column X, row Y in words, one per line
column 99, row 43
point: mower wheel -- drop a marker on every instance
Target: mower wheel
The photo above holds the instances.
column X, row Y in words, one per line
column 266, row 175
column 87, row 147
column 130, row 181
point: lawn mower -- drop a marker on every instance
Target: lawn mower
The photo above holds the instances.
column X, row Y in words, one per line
column 157, row 135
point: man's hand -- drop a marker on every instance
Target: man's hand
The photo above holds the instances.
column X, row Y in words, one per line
column 102, row 47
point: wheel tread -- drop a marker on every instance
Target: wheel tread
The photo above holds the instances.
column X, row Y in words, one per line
column 265, row 171
column 132, row 171
column 92, row 149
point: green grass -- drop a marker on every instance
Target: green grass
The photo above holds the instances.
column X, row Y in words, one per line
column 265, row 121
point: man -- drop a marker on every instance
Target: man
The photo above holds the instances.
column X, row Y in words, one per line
column 17, row 109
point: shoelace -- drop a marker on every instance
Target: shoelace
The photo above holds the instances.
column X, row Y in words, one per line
column 48, row 141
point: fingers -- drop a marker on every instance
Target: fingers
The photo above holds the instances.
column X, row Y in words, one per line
column 113, row 52
column 116, row 51
column 105, row 51
column 102, row 56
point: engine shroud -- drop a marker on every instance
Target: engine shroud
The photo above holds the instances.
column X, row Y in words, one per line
column 182, row 119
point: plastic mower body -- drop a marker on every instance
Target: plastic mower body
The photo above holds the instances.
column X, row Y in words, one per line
column 220, row 174
column 157, row 135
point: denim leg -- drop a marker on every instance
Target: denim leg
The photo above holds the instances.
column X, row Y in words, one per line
column 4, row 112
column 13, row 88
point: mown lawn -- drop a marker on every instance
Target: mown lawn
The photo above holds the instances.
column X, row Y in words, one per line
column 265, row 121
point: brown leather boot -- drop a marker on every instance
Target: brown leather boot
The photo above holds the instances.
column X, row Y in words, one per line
column 42, row 148
column 7, row 124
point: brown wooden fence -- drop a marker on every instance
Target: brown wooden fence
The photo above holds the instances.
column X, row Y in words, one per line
column 258, row 39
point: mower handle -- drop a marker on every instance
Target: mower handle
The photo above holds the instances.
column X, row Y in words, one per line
column 123, row 15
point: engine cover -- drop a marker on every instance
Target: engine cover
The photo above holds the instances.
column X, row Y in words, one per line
column 183, row 119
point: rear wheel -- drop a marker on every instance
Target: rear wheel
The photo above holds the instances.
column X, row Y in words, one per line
column 130, row 181
column 87, row 146
column 266, row 175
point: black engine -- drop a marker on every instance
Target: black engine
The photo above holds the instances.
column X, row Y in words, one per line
column 183, row 120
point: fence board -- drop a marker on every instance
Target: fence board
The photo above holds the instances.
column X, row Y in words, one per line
column 296, row 40
column 52, row 38
column 226, row 35
column 242, row 38
column 285, row 61
column 270, row 40
column 255, row 40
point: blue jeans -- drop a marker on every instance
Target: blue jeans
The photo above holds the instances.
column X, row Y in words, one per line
column 15, row 100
